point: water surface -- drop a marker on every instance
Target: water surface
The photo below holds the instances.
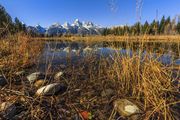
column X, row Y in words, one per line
column 56, row 53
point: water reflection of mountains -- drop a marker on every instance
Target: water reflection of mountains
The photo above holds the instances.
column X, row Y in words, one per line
column 62, row 52
column 150, row 47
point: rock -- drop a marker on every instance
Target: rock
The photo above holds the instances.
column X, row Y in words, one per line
column 58, row 75
column 35, row 76
column 10, row 110
column 40, row 83
column 21, row 115
column 4, row 106
column 19, row 76
column 51, row 89
column 107, row 93
column 20, row 73
column 126, row 108
column 77, row 90
column 3, row 81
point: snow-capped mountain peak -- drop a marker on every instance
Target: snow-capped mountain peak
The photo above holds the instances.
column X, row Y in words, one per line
column 66, row 25
column 77, row 22
column 77, row 27
column 37, row 29
column 40, row 29
column 56, row 25
column 88, row 25
column 38, row 25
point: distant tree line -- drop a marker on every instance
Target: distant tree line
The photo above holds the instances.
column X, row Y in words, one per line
column 165, row 26
column 9, row 26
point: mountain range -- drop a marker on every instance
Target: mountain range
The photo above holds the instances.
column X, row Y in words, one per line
column 77, row 27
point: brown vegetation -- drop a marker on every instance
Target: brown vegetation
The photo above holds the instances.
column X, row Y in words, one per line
column 18, row 51
column 143, row 38
column 147, row 83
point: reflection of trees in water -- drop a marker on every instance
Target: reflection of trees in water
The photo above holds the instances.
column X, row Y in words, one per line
column 150, row 47
column 157, row 47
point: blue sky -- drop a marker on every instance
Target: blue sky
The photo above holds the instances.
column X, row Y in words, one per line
column 46, row 12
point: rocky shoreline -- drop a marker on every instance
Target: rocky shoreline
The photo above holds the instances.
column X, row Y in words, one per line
column 67, row 95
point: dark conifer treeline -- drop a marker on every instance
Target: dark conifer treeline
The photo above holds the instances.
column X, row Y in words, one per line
column 165, row 26
column 7, row 25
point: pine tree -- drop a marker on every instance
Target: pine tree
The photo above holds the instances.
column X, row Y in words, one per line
column 168, row 26
column 154, row 27
column 168, row 21
column 145, row 28
column 162, row 26
column 5, row 22
column 165, row 26
column 137, row 28
column 178, row 27
column 104, row 32
column 18, row 25
column 24, row 28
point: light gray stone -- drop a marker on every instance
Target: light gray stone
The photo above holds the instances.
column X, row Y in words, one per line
column 4, row 106
column 35, row 76
column 20, row 73
column 126, row 108
column 58, row 75
column 51, row 89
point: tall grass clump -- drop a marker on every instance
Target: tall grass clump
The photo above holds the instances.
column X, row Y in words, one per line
column 149, row 83
column 139, row 78
column 18, row 52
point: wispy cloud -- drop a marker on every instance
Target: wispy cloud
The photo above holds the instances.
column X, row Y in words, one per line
column 113, row 5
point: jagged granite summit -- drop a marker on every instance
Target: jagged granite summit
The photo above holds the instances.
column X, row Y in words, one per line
column 77, row 27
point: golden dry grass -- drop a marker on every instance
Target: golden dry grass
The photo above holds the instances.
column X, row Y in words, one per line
column 144, row 38
column 147, row 83
column 18, row 51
